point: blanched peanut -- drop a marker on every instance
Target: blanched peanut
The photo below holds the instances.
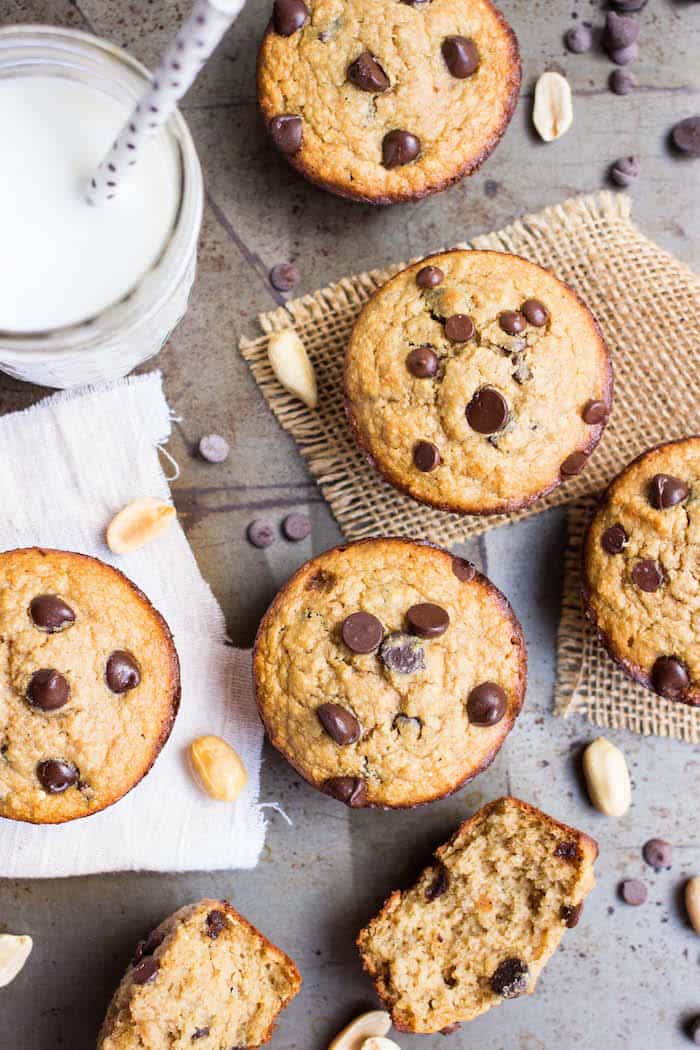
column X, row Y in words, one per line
column 217, row 768
column 372, row 1024
column 138, row 523
column 14, row 952
column 607, row 778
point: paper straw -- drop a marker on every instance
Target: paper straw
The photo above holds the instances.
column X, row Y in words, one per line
column 176, row 72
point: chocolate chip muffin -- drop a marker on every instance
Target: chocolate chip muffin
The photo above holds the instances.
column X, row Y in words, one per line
column 386, row 102
column 389, row 672
column 477, row 382
column 481, row 922
column 89, row 685
column 204, row 978
column 641, row 570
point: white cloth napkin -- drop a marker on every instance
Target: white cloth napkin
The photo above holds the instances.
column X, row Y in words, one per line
column 66, row 466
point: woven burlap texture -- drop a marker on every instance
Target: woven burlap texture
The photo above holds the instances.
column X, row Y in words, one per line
column 647, row 305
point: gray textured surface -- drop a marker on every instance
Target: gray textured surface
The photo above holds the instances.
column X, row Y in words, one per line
column 625, row 977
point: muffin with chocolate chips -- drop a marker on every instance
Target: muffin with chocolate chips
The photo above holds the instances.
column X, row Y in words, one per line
column 204, row 978
column 89, row 685
column 641, row 569
column 386, row 102
column 477, row 382
column 482, row 921
column 389, row 672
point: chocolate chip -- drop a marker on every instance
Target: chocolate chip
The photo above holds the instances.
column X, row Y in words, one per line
column 366, row 73
column 486, row 705
column 620, row 31
column 350, row 790
column 287, row 132
column 573, row 464
column 440, row 883
column 321, row 581
column 579, row 39
column 647, row 575
column 428, row 620
column 296, row 527
column 216, row 922
column 535, row 312
column 429, row 277
column 213, row 448
column 613, row 539
column 148, row 945
column 666, row 491
column 402, row 653
column 669, row 677
column 50, row 613
column 633, row 891
column 658, row 853
column 510, row 979
column 512, row 322
column 145, row 971
column 56, row 776
column 361, row 632
column 199, row 1033
column 622, row 81
column 122, row 672
column 289, row 15
column 48, row 690
column 284, row 276
column 686, row 136
column 623, row 56
column 522, row 371
column 261, row 533
column 426, row 456
column 423, row 362
column 694, row 1030
column 398, row 148
column 594, row 412
column 340, row 724
column 450, row 1028
column 487, row 412
column 566, row 850
column 459, row 328
column 624, row 171
column 463, row 569
column 571, row 914
column 461, row 56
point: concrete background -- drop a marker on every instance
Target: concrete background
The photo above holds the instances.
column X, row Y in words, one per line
column 625, row 977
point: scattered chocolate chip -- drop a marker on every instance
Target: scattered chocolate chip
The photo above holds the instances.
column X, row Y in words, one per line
column 361, row 632
column 571, row 914
column 513, row 322
column 461, row 56
column 145, row 971
column 633, row 891
column 213, row 448
column 216, row 922
column 463, row 569
column 50, row 613
column 428, row 620
column 510, row 979
column 669, row 677
column 694, row 1030
column 594, row 412
column 573, row 464
column 658, row 854
column 148, row 945
column 289, row 15
column 402, row 653
column 426, row 456
column 350, row 790
column 487, row 412
column 296, row 527
column 623, row 56
column 622, row 81
column 340, row 724
column 261, row 533
column 122, row 672
column 440, row 883
column 366, row 73
column 624, row 171
column 566, row 850
column 647, row 575
column 48, row 690
column 398, row 148
column 284, row 276
column 620, row 31
column 287, row 132
column 686, row 136
column 459, row 328
column 56, row 776
column 423, row 362
column 199, row 1033
column 535, row 312
column 666, row 491
column 613, row 539
column 429, row 277
column 486, row 705
column 579, row 39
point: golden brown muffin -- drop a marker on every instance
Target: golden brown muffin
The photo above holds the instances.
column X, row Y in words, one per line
column 641, row 570
column 89, row 685
column 386, row 102
column 476, row 381
column 204, row 978
column 389, row 672
column 481, row 922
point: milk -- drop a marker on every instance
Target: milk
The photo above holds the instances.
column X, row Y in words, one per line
column 62, row 261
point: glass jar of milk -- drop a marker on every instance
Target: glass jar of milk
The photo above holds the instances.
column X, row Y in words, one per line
column 86, row 293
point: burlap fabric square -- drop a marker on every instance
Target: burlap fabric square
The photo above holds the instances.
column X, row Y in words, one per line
column 647, row 305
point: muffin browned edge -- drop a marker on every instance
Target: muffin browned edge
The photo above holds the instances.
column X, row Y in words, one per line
column 174, row 675
column 507, row 506
column 470, row 165
column 587, row 845
column 632, row 670
column 508, row 720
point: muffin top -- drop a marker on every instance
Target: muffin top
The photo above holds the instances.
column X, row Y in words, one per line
column 389, row 672
column 477, row 381
column 387, row 101
column 642, row 569
column 89, row 685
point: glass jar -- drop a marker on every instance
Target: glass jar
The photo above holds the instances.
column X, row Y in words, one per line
column 129, row 332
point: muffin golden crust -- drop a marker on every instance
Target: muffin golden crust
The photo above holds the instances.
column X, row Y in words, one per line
column 205, row 978
column 476, row 381
column 387, row 102
column 389, row 672
column 89, row 685
column 641, row 570
column 482, row 921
